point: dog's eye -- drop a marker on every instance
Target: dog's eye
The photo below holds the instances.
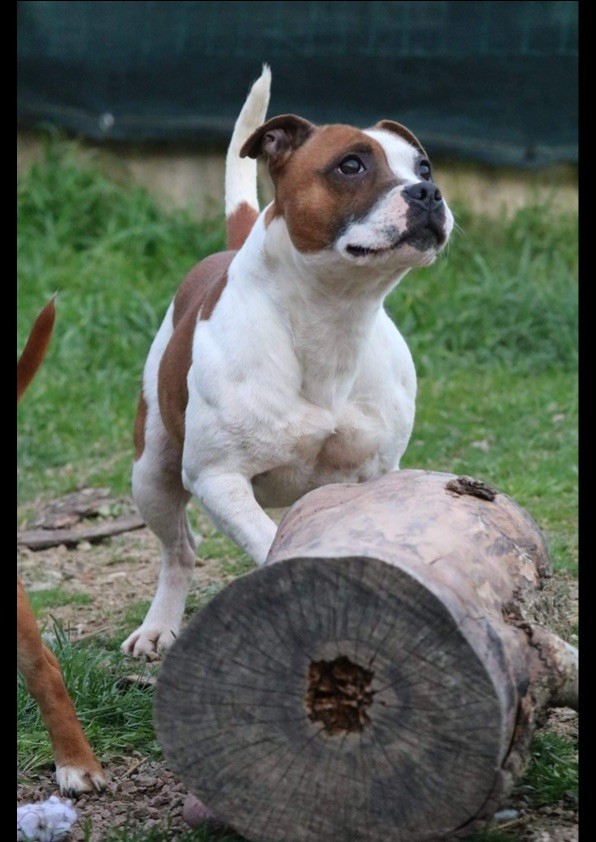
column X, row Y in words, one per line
column 352, row 165
column 424, row 170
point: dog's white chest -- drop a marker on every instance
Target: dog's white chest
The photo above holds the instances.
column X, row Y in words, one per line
column 294, row 422
column 357, row 449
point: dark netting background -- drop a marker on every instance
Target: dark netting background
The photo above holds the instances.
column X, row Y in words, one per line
column 494, row 82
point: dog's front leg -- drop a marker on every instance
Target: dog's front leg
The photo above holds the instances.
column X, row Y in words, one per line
column 229, row 501
column 77, row 768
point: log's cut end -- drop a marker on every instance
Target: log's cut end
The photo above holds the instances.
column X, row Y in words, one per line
column 333, row 699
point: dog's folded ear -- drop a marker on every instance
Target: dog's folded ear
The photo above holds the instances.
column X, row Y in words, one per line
column 397, row 128
column 277, row 138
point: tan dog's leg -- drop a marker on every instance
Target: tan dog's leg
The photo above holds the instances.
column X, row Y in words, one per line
column 77, row 768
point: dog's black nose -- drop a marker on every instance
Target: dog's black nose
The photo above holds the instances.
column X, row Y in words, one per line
column 424, row 193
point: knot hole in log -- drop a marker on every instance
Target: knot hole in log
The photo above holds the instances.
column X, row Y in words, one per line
column 472, row 487
column 338, row 695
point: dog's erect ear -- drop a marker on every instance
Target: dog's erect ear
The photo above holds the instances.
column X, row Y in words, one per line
column 397, row 128
column 277, row 138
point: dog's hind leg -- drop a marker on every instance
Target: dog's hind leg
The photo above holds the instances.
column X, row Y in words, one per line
column 161, row 499
column 77, row 768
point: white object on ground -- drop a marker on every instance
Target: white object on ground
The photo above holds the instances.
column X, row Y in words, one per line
column 48, row 821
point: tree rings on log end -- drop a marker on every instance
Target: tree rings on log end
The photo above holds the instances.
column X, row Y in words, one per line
column 331, row 699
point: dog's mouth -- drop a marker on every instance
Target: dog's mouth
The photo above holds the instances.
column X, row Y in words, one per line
column 363, row 251
column 422, row 237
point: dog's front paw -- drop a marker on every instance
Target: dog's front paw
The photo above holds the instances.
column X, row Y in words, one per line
column 147, row 641
column 73, row 780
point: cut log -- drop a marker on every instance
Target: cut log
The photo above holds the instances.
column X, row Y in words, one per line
column 380, row 677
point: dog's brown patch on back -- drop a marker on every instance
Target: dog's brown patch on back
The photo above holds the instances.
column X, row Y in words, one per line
column 196, row 299
column 317, row 204
column 239, row 225
column 139, row 430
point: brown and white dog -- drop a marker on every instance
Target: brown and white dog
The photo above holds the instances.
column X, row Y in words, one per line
column 276, row 368
column 77, row 768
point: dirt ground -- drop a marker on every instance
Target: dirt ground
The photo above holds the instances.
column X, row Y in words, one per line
column 122, row 570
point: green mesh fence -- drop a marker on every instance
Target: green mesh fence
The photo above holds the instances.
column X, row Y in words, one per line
column 489, row 81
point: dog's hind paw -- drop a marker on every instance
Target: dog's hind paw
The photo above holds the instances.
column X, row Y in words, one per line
column 73, row 780
column 148, row 641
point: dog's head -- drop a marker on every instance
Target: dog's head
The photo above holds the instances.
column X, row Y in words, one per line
column 365, row 195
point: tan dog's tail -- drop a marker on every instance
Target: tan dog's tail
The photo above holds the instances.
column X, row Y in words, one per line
column 242, row 204
column 35, row 349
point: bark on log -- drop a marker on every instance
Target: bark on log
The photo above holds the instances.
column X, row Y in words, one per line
column 380, row 677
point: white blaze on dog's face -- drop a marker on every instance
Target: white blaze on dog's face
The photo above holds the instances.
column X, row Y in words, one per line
column 366, row 196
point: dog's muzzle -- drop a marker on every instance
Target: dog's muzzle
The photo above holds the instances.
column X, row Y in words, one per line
column 425, row 219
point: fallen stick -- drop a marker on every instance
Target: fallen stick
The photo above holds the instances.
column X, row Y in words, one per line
column 42, row 539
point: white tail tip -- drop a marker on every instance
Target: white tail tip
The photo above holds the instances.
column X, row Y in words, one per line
column 241, row 173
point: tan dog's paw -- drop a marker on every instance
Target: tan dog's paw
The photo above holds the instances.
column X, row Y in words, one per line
column 147, row 641
column 73, row 780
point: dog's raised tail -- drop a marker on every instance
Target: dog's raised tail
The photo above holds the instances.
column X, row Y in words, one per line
column 36, row 347
column 242, row 203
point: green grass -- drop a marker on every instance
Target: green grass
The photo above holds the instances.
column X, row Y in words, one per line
column 134, row 613
column 503, row 294
column 553, row 771
column 493, row 331
column 551, row 775
column 40, row 601
column 495, row 835
column 115, row 259
column 117, row 718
